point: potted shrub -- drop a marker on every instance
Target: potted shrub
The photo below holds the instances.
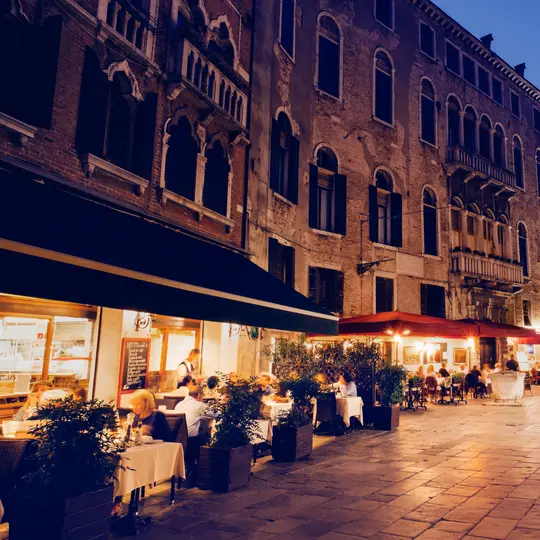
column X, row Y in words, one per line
column 68, row 477
column 225, row 464
column 457, row 249
column 292, row 438
column 466, row 250
column 390, row 379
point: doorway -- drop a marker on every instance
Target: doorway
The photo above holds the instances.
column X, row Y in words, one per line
column 488, row 352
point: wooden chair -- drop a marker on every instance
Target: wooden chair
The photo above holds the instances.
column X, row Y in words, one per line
column 169, row 402
column 327, row 411
column 12, row 452
column 178, row 428
column 527, row 383
column 431, row 387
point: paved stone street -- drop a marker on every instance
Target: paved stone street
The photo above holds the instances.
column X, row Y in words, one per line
column 471, row 471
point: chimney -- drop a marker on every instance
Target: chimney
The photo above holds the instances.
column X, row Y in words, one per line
column 520, row 68
column 486, row 40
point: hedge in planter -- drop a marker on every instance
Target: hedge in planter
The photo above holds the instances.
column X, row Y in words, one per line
column 225, row 464
column 390, row 379
column 68, row 484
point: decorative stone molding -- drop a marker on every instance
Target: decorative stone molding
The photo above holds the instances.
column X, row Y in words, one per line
column 22, row 132
column 123, row 66
column 92, row 163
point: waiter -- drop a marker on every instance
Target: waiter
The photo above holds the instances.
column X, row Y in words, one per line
column 189, row 366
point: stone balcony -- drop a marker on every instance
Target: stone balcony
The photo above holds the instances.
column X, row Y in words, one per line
column 486, row 269
column 476, row 165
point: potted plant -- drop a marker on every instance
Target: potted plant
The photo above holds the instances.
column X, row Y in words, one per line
column 390, row 379
column 292, row 438
column 68, row 476
column 466, row 250
column 457, row 249
column 225, row 464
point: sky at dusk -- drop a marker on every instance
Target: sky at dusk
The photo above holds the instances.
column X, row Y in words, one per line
column 513, row 23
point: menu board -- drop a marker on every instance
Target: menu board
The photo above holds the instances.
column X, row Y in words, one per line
column 134, row 364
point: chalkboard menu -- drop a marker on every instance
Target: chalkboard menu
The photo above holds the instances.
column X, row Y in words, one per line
column 134, row 365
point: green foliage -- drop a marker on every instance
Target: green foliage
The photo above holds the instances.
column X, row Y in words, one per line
column 294, row 418
column 236, row 423
column 415, row 380
column 303, row 391
column 75, row 449
column 458, row 377
column 390, row 379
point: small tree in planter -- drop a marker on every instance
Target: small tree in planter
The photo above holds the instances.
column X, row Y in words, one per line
column 293, row 436
column 69, row 474
column 225, row 464
column 390, row 379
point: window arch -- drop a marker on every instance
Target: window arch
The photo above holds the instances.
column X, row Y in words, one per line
column 499, row 154
column 216, row 178
column 518, row 162
column 284, row 159
column 329, row 56
column 385, row 211
column 430, row 222
column 523, row 248
column 454, row 109
column 537, row 158
column 428, row 115
column 485, row 137
column 181, row 160
column 469, row 128
column 383, row 95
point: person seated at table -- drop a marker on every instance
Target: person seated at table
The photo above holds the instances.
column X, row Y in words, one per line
column 443, row 372
column 265, row 385
column 347, row 386
column 473, row 381
column 210, row 389
column 497, row 368
column 281, row 395
column 79, row 393
column 463, row 369
column 430, row 370
column 476, row 372
column 153, row 422
column 512, row 364
column 32, row 402
column 420, row 372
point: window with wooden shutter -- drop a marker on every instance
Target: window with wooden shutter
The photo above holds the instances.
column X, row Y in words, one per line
column 281, row 261
column 287, row 29
column 145, row 131
column 313, row 191
column 384, row 294
column 216, row 179
column 430, row 222
column 384, row 88
column 328, row 193
column 326, row 288
column 396, row 225
column 284, row 159
column 373, row 214
column 329, row 57
column 433, row 300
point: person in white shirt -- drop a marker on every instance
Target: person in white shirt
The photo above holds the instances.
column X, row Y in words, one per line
column 194, row 411
column 190, row 365
column 347, row 386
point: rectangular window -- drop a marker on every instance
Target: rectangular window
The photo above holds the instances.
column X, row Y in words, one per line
column 497, row 90
column 452, row 58
column 536, row 118
column 325, row 195
column 384, row 294
column 483, row 81
column 329, row 64
column 455, row 218
column 527, row 312
column 433, row 300
column 326, row 288
column 384, row 12
column 515, row 105
column 281, row 261
column 286, row 37
column 383, row 216
column 428, row 119
column 427, row 40
column 469, row 70
column 501, row 240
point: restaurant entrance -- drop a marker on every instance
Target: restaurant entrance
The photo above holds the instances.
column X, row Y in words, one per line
column 488, row 352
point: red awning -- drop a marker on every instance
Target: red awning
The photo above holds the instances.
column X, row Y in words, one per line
column 492, row 329
column 406, row 324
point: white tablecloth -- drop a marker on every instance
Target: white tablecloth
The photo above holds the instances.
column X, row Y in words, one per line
column 272, row 409
column 143, row 465
column 350, row 407
column 265, row 432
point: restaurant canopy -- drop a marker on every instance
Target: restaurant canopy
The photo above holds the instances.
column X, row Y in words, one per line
column 60, row 244
column 490, row 329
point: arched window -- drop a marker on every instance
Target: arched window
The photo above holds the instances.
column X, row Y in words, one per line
column 453, row 121
column 485, row 137
column 499, row 156
column 327, row 194
column 384, row 88
column 216, row 179
column 518, row 162
column 429, row 204
column 427, row 112
column 523, row 248
column 385, row 209
column 329, row 57
column 537, row 156
column 181, row 161
column 284, row 159
column 469, row 129
column 488, row 224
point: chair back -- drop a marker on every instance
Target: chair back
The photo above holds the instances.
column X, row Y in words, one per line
column 169, row 402
column 326, row 408
column 12, row 452
column 177, row 428
column 431, row 383
column 471, row 381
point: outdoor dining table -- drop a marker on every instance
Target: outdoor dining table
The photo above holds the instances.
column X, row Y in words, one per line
column 273, row 409
column 350, row 407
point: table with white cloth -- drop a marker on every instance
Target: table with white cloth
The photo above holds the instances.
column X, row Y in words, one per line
column 350, row 407
column 273, row 409
column 264, row 432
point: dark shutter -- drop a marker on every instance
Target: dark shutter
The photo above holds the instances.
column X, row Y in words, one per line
column 46, row 56
column 339, row 290
column 275, row 155
column 383, row 96
column 424, row 308
column 288, row 264
column 93, row 105
column 313, row 203
column 314, row 284
column 273, row 253
column 373, row 215
column 294, row 152
column 145, row 131
column 341, row 203
column 430, row 230
column 396, row 233
column 440, row 302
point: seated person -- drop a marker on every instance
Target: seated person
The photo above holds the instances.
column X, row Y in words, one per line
column 194, row 410
column 265, row 384
column 347, row 386
column 79, row 393
column 476, row 372
column 30, row 406
column 420, row 372
column 512, row 364
column 153, row 422
column 211, row 388
column 443, row 372
column 281, row 395
column 183, row 388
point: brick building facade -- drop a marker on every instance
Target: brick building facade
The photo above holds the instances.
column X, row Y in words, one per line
column 417, row 150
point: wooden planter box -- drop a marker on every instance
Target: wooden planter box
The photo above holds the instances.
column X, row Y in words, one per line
column 224, row 469
column 85, row 517
column 290, row 444
column 385, row 418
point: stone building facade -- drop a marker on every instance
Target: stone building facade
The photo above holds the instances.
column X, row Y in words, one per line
column 418, row 162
